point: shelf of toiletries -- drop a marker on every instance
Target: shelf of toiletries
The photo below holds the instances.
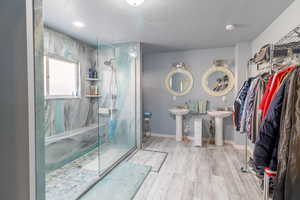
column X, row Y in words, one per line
column 92, row 74
column 92, row 88
column 93, row 91
column 106, row 111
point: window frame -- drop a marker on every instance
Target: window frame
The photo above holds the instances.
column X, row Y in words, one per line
column 47, row 78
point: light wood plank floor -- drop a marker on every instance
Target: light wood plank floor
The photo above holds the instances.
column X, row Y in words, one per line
column 189, row 173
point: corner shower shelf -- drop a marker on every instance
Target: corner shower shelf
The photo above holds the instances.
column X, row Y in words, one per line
column 93, row 96
column 92, row 79
column 110, row 110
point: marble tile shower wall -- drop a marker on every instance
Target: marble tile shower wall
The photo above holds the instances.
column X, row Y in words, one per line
column 64, row 115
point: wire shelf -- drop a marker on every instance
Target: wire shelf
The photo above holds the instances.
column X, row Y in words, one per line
column 291, row 37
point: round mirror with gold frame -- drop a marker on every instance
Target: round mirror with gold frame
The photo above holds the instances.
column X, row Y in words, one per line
column 218, row 80
column 179, row 81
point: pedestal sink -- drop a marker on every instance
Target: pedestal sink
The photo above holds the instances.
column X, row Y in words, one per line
column 179, row 113
column 219, row 116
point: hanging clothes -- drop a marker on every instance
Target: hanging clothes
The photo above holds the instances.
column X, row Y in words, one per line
column 272, row 88
column 265, row 151
column 254, row 121
column 247, row 108
column 266, row 93
column 239, row 103
column 288, row 180
column 249, row 118
column 267, row 108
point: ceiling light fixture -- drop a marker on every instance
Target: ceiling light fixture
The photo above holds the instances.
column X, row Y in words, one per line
column 135, row 3
column 230, row 27
column 78, row 24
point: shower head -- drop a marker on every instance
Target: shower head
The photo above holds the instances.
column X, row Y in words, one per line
column 109, row 62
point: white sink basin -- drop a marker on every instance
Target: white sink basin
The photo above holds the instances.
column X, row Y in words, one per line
column 179, row 113
column 221, row 114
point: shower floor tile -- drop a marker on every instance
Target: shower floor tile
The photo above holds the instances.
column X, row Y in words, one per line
column 71, row 180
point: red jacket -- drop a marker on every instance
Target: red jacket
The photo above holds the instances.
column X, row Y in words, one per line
column 272, row 87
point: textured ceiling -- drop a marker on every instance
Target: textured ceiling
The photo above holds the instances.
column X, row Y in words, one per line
column 164, row 25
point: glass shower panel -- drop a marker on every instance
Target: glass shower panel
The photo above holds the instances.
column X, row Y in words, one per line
column 117, row 105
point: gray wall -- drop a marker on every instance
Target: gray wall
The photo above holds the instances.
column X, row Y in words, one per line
column 156, row 98
column 242, row 55
column 15, row 65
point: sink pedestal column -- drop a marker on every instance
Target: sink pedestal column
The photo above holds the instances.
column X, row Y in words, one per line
column 179, row 113
column 219, row 131
column 219, row 116
column 179, row 122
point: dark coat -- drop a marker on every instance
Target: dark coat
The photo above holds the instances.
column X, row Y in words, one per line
column 265, row 151
column 288, row 173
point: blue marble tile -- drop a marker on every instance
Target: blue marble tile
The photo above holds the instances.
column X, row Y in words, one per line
column 70, row 181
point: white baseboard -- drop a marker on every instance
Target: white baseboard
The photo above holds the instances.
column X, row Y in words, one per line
column 163, row 135
column 168, row 135
column 229, row 142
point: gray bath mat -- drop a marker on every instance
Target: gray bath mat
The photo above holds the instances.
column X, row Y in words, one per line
column 155, row 159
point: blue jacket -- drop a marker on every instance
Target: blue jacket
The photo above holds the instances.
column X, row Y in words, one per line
column 239, row 103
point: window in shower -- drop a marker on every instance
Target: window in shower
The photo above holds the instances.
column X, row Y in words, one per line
column 62, row 78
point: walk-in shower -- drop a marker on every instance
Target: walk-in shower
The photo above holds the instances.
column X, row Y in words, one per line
column 86, row 101
column 88, row 132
